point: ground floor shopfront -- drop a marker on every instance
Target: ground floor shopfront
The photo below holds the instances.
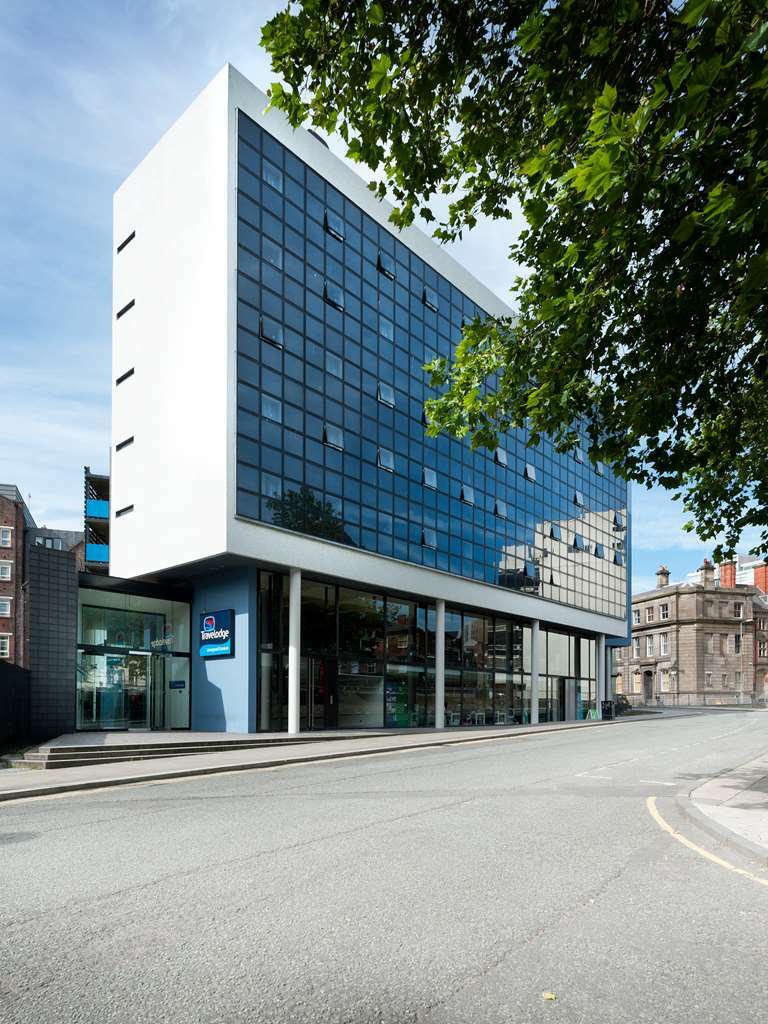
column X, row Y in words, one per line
column 257, row 650
column 320, row 654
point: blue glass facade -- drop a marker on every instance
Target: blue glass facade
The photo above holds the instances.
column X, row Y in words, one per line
column 336, row 319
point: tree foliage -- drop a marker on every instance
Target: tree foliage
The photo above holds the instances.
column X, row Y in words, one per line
column 633, row 135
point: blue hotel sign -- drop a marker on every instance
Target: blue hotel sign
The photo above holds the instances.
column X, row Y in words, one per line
column 217, row 634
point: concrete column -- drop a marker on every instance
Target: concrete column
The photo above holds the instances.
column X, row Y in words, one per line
column 535, row 645
column 600, row 670
column 440, row 664
column 294, row 650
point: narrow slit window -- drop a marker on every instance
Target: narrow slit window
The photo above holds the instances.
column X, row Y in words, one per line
column 124, row 444
column 126, row 241
column 429, row 478
column 124, row 376
column 124, row 310
column 123, row 511
column 386, row 460
column 385, row 393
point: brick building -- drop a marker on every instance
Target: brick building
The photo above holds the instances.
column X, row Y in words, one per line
column 18, row 534
column 697, row 642
column 15, row 519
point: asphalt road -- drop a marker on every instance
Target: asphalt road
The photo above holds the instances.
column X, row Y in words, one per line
column 439, row 886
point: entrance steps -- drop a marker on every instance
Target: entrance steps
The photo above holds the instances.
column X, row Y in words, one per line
column 49, row 756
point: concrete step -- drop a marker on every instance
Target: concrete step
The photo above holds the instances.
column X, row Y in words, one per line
column 79, row 756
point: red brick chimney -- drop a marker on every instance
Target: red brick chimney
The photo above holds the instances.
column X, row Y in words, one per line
column 761, row 577
column 728, row 574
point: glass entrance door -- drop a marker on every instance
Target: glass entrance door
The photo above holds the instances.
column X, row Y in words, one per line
column 136, row 689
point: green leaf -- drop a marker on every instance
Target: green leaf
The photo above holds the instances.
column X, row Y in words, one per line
column 376, row 14
column 380, row 67
column 694, row 11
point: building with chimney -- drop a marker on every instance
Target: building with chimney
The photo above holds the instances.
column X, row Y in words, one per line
column 704, row 641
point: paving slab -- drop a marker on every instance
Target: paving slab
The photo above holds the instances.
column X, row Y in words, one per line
column 18, row 784
column 736, row 802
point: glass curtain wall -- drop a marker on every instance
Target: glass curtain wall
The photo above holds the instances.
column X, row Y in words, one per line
column 368, row 661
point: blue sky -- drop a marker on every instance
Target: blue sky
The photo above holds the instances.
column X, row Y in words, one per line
column 86, row 88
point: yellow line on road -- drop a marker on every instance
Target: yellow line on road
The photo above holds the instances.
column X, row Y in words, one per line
column 650, row 803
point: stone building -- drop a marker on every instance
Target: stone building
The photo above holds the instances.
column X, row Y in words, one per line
column 696, row 642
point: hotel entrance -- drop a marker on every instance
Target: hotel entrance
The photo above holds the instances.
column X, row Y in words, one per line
column 133, row 666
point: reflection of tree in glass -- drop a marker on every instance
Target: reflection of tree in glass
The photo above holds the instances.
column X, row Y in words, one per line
column 303, row 511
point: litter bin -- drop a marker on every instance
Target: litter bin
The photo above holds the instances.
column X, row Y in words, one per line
column 606, row 707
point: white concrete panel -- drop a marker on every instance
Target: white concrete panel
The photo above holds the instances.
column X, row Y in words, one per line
column 176, row 269
column 286, row 549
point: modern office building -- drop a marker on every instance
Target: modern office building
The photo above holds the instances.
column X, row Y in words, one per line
column 269, row 454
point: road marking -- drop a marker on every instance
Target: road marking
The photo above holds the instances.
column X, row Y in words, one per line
column 655, row 782
column 650, row 803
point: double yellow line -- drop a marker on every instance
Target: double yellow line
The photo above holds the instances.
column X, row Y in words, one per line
column 650, row 803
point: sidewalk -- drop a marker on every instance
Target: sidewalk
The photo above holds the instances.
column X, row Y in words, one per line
column 19, row 783
column 733, row 807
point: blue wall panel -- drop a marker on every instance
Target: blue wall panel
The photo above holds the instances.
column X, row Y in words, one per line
column 224, row 689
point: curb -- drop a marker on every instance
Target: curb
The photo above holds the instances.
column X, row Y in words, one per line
column 753, row 851
column 219, row 769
